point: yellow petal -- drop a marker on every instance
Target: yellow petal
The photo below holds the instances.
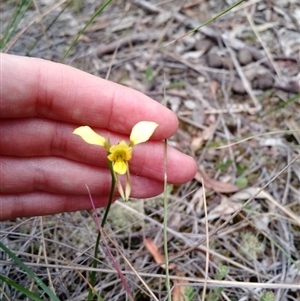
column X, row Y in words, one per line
column 120, row 150
column 89, row 136
column 120, row 167
column 142, row 131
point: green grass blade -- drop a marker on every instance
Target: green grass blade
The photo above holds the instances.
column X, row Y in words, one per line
column 217, row 16
column 286, row 253
column 99, row 10
column 32, row 46
column 282, row 105
column 16, row 18
column 31, row 274
column 208, row 21
column 20, row 288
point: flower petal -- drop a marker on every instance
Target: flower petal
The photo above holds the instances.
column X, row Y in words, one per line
column 120, row 149
column 142, row 131
column 120, row 167
column 89, row 136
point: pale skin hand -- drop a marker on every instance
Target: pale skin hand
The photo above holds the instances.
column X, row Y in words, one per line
column 44, row 167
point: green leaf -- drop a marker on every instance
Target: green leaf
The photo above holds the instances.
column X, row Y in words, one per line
column 267, row 296
column 149, row 74
column 241, row 169
column 31, row 274
column 189, row 292
column 223, row 166
column 176, row 84
column 241, row 182
column 16, row 18
column 20, row 288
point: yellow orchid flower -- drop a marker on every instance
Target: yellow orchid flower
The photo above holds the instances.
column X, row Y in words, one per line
column 121, row 153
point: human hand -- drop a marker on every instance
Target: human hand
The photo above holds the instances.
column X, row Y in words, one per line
column 44, row 167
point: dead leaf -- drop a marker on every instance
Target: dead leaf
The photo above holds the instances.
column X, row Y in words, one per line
column 272, row 203
column 208, row 131
column 190, row 104
column 180, row 286
column 133, row 83
column 225, row 208
column 247, row 193
column 196, row 203
column 84, row 38
column 204, row 136
column 213, row 184
column 153, row 250
column 213, row 88
column 197, row 143
column 178, row 293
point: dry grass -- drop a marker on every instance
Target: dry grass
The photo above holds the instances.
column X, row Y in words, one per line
column 221, row 82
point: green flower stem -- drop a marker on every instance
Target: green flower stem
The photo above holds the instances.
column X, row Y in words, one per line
column 111, row 194
column 95, row 262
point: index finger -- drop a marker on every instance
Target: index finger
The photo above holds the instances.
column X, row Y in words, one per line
column 37, row 88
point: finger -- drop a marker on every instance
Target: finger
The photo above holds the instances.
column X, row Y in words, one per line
column 41, row 203
column 38, row 137
column 55, row 91
column 60, row 176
